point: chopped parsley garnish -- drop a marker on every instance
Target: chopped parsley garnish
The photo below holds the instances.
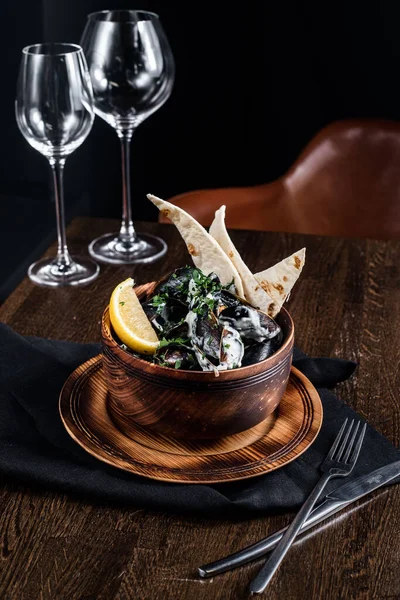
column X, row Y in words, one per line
column 204, row 296
column 189, row 312
column 158, row 299
column 122, row 303
column 178, row 341
column 163, row 363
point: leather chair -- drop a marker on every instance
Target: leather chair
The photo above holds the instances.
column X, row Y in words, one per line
column 346, row 182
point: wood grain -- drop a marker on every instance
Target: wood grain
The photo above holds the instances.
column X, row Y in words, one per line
column 281, row 438
column 192, row 404
column 57, row 547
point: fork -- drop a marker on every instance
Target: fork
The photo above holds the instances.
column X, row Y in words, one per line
column 339, row 462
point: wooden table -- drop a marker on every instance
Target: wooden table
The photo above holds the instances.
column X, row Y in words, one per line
column 347, row 304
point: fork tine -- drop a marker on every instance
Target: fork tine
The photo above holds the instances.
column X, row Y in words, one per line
column 343, row 444
column 337, row 441
column 351, row 443
column 357, row 449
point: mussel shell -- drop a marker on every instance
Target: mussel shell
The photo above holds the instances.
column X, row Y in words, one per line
column 251, row 323
column 256, row 352
column 208, row 336
column 180, row 330
column 175, row 285
column 150, row 310
column 169, row 319
column 169, row 357
column 227, row 300
column 230, row 299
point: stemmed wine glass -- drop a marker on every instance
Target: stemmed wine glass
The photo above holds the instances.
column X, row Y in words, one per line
column 132, row 70
column 54, row 112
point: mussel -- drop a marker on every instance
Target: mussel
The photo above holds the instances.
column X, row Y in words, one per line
column 232, row 348
column 226, row 299
column 177, row 357
column 251, row 323
column 259, row 351
column 205, row 334
column 216, row 347
column 229, row 299
column 177, row 284
column 167, row 317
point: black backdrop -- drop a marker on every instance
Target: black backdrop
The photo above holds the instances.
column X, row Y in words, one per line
column 254, row 83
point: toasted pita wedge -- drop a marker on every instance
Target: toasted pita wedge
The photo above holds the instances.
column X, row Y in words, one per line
column 253, row 292
column 206, row 254
column 277, row 281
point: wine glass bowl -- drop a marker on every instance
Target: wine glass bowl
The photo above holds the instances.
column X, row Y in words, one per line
column 132, row 72
column 54, row 112
column 134, row 78
column 54, row 122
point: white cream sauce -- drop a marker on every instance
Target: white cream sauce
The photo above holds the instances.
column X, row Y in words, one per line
column 232, row 346
column 232, row 349
column 250, row 325
column 193, row 289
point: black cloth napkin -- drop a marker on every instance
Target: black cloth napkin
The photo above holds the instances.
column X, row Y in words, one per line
column 35, row 447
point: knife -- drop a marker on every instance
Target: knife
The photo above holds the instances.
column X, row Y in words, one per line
column 333, row 503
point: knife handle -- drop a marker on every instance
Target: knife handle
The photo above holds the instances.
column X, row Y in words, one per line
column 243, row 556
column 267, row 544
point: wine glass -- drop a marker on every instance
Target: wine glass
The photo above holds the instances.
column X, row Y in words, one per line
column 54, row 112
column 132, row 70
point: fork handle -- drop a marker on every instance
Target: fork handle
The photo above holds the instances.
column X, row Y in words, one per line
column 265, row 575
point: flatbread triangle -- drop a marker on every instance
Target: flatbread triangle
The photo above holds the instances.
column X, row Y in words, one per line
column 206, row 253
column 279, row 279
column 253, row 291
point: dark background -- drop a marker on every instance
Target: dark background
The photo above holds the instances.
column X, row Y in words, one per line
column 253, row 86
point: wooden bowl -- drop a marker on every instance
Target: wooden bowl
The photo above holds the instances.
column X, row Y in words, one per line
column 192, row 404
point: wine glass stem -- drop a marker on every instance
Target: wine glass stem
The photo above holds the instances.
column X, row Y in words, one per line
column 127, row 233
column 57, row 165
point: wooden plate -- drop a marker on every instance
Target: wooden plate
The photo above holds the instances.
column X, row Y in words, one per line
column 272, row 444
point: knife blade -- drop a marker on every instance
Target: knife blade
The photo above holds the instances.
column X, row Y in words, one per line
column 333, row 503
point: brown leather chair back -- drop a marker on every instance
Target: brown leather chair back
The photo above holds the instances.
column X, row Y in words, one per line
column 345, row 182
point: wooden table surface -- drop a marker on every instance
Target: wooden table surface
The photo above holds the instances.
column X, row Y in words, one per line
column 346, row 304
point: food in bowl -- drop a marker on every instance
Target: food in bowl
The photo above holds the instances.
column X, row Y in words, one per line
column 191, row 404
column 203, row 325
column 215, row 316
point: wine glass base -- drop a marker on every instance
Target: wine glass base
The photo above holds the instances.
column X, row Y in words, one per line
column 48, row 273
column 110, row 249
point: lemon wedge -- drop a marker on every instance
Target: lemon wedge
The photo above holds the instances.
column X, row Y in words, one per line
column 129, row 320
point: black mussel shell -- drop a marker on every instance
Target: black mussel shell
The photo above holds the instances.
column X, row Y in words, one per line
column 208, row 336
column 180, row 330
column 214, row 277
column 170, row 317
column 228, row 299
column 176, row 286
column 251, row 323
column 150, row 310
column 257, row 352
column 177, row 357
